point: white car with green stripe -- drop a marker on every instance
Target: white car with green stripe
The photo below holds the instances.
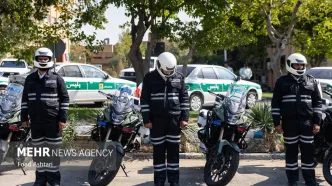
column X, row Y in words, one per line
column 202, row 78
column 83, row 81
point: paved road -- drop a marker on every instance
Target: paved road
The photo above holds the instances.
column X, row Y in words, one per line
column 250, row 172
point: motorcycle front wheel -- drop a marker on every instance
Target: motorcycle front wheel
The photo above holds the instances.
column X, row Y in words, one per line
column 3, row 150
column 327, row 167
column 220, row 169
column 102, row 176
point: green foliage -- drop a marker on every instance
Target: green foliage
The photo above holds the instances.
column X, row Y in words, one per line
column 313, row 33
column 68, row 134
column 22, row 29
column 260, row 116
column 189, row 139
column 81, row 113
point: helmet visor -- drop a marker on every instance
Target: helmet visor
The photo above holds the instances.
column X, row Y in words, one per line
column 167, row 72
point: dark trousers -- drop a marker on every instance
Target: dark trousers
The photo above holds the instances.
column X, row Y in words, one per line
column 47, row 135
column 299, row 132
column 165, row 136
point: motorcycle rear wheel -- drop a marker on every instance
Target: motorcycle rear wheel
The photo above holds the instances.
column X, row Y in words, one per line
column 109, row 176
column 326, row 167
column 231, row 160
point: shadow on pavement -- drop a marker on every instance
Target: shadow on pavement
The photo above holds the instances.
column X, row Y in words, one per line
column 276, row 176
column 188, row 175
column 4, row 169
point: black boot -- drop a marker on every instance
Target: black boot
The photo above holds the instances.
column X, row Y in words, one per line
column 159, row 184
column 313, row 184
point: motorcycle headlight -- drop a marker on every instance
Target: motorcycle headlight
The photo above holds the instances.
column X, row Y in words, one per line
column 117, row 118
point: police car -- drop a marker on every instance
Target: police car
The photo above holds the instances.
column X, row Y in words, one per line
column 322, row 74
column 324, row 77
column 202, row 78
column 83, row 81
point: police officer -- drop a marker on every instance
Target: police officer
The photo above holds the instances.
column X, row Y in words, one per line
column 45, row 100
column 165, row 108
column 297, row 111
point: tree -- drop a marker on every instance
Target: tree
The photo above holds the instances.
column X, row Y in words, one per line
column 312, row 35
column 144, row 16
column 123, row 47
column 23, row 30
column 240, row 22
column 79, row 54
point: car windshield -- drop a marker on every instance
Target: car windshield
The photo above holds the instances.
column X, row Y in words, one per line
column 320, row 73
column 13, row 64
column 189, row 69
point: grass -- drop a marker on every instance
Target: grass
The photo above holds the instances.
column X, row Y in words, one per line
column 88, row 114
column 267, row 95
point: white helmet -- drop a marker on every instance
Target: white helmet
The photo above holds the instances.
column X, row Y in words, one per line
column 166, row 64
column 296, row 58
column 44, row 52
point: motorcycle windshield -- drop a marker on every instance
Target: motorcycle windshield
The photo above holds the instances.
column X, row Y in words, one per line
column 12, row 97
column 121, row 105
column 235, row 103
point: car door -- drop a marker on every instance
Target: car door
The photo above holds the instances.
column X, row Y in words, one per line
column 75, row 83
column 96, row 80
column 225, row 78
column 209, row 82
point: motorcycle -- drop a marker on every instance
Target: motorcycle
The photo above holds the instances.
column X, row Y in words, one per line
column 13, row 134
column 222, row 135
column 323, row 139
column 118, row 127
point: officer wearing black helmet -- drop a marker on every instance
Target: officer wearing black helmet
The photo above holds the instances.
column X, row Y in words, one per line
column 45, row 102
column 297, row 111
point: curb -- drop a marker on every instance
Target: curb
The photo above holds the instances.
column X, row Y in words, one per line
column 243, row 156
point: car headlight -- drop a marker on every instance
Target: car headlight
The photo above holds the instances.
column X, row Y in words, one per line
column 1, row 73
column 121, row 73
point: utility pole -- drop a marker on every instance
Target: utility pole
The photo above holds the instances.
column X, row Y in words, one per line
column 225, row 55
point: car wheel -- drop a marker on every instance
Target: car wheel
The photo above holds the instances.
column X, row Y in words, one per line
column 251, row 99
column 195, row 102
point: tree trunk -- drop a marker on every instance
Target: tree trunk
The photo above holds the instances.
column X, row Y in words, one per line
column 136, row 60
column 279, row 39
column 148, row 52
column 276, row 64
column 317, row 60
column 186, row 60
column 134, row 54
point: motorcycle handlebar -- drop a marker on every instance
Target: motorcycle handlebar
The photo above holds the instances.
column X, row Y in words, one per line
column 217, row 95
column 109, row 96
column 328, row 93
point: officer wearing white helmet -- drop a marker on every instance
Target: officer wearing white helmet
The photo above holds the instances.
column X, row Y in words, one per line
column 45, row 102
column 297, row 111
column 165, row 110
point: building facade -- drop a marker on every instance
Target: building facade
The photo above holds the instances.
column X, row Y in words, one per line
column 53, row 17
